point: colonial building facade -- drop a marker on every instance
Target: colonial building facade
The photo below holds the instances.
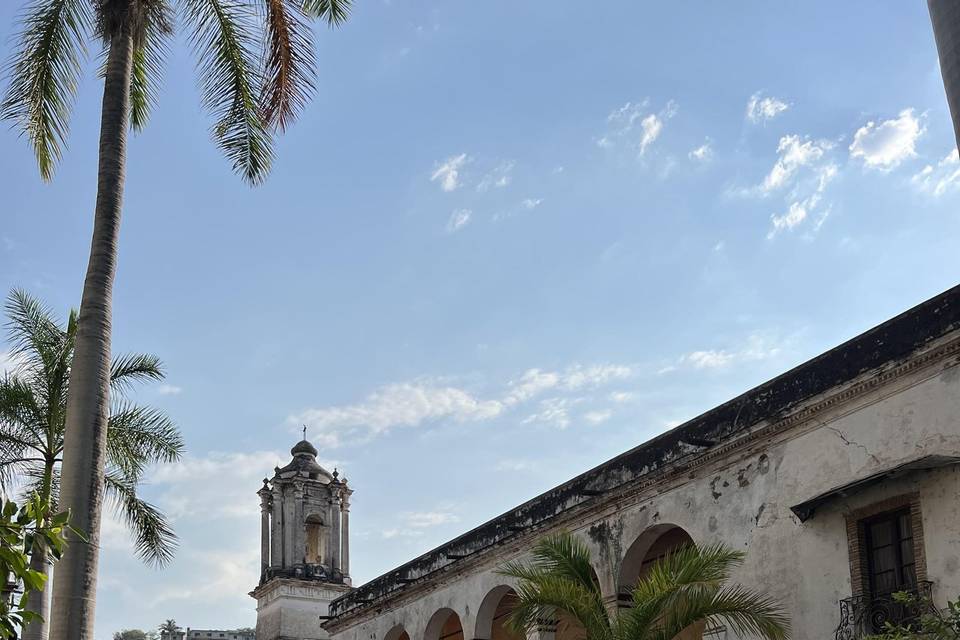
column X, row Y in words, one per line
column 839, row 479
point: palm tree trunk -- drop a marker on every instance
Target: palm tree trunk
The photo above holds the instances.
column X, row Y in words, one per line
column 38, row 601
column 945, row 16
column 75, row 582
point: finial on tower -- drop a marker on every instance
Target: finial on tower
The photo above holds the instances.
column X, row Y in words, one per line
column 304, row 432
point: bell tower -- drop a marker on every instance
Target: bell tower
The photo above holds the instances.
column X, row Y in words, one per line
column 304, row 547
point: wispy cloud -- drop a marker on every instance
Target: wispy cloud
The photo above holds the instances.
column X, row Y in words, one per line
column 634, row 126
column 427, row 400
column 758, row 347
column 598, row 417
column 793, row 153
column 413, row 523
column 531, row 203
column 498, row 178
column 703, row 153
column 9, row 362
column 800, row 210
column 169, row 390
column 761, row 109
column 938, row 180
column 458, row 219
column 884, row 146
column 447, row 173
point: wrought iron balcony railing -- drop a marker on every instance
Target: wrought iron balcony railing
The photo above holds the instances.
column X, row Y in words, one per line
column 864, row 615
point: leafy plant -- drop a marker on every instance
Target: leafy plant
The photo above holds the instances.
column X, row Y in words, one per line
column 685, row 589
column 23, row 531
column 931, row 624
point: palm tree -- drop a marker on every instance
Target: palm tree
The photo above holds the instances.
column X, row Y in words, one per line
column 683, row 591
column 33, row 405
column 169, row 630
column 251, row 95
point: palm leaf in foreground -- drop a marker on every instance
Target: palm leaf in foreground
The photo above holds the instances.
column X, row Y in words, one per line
column 688, row 588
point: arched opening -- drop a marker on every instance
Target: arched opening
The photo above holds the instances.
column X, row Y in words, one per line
column 397, row 632
column 313, row 554
column 444, row 625
column 652, row 545
column 492, row 615
column 567, row 627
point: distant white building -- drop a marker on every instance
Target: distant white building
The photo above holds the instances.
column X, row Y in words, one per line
column 210, row 634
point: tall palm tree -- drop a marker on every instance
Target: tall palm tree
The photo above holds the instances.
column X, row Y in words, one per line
column 33, row 406
column 682, row 592
column 250, row 93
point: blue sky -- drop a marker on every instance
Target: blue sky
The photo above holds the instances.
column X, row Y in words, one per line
column 506, row 241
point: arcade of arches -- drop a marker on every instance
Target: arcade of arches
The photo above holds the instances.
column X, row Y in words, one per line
column 496, row 605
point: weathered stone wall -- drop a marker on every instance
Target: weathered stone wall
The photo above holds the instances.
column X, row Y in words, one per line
column 740, row 494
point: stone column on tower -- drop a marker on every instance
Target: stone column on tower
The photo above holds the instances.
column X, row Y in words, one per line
column 276, row 527
column 335, row 532
column 264, row 494
column 345, row 533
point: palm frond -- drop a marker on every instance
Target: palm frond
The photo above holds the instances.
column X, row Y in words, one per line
column 560, row 579
column 747, row 613
column 289, row 63
column 155, row 542
column 223, row 38
column 44, row 73
column 139, row 436
column 149, row 52
column 32, row 327
column 335, row 12
column 131, row 368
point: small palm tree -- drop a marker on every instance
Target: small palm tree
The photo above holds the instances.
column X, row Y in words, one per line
column 169, row 630
column 256, row 63
column 684, row 590
column 33, row 401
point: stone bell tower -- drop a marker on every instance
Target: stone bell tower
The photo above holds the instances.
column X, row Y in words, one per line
column 304, row 547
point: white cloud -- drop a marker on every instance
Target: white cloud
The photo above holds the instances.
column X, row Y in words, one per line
column 214, row 486
column 621, row 396
column 938, row 180
column 799, row 210
column 761, row 108
column 410, row 404
column 597, row 417
column 531, row 203
column 424, row 519
column 413, row 523
column 703, row 153
column 553, row 411
column 758, row 347
column 886, row 145
column 458, row 220
column 448, row 172
column 498, row 178
column 516, row 464
column 169, row 390
column 634, row 125
column 793, row 153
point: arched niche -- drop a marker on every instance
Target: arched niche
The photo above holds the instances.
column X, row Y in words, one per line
column 444, row 625
column 492, row 614
column 314, row 549
column 567, row 627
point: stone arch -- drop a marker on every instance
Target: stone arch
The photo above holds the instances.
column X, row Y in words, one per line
column 494, row 608
column 397, row 632
column 568, row 628
column 654, row 543
column 444, row 625
column 314, row 550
